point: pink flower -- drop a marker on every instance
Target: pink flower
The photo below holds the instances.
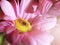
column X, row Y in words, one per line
column 38, row 23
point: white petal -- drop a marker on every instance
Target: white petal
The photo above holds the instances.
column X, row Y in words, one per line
column 8, row 9
column 49, row 23
column 46, row 7
column 24, row 4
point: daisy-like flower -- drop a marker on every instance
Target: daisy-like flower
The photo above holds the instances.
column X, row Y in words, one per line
column 22, row 28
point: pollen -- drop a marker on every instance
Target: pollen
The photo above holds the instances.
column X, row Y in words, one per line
column 22, row 25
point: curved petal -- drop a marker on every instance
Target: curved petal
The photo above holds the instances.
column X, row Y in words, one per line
column 57, row 5
column 6, row 26
column 8, row 9
column 37, row 38
column 44, row 23
column 2, row 27
column 14, row 38
column 32, row 6
column 48, row 23
column 23, row 6
column 36, row 20
column 44, row 6
column 42, row 38
column 14, row 4
column 53, row 12
column 27, row 40
column 27, row 16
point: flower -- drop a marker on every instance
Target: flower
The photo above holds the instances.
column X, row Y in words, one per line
column 23, row 28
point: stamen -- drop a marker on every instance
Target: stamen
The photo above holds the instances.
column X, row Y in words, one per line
column 22, row 25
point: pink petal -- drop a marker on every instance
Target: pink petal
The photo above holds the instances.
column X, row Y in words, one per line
column 27, row 16
column 8, row 9
column 42, row 38
column 54, row 12
column 44, row 23
column 57, row 5
column 27, row 40
column 18, row 9
column 32, row 6
column 44, row 6
column 14, row 4
column 6, row 26
column 1, row 28
column 14, row 38
column 37, row 38
column 36, row 20
column 23, row 6
column 48, row 23
column 3, row 23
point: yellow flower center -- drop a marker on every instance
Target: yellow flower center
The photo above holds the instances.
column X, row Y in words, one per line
column 22, row 25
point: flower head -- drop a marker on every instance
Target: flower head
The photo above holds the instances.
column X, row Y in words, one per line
column 25, row 27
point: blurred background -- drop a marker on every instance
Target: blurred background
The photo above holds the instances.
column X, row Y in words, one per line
column 56, row 32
